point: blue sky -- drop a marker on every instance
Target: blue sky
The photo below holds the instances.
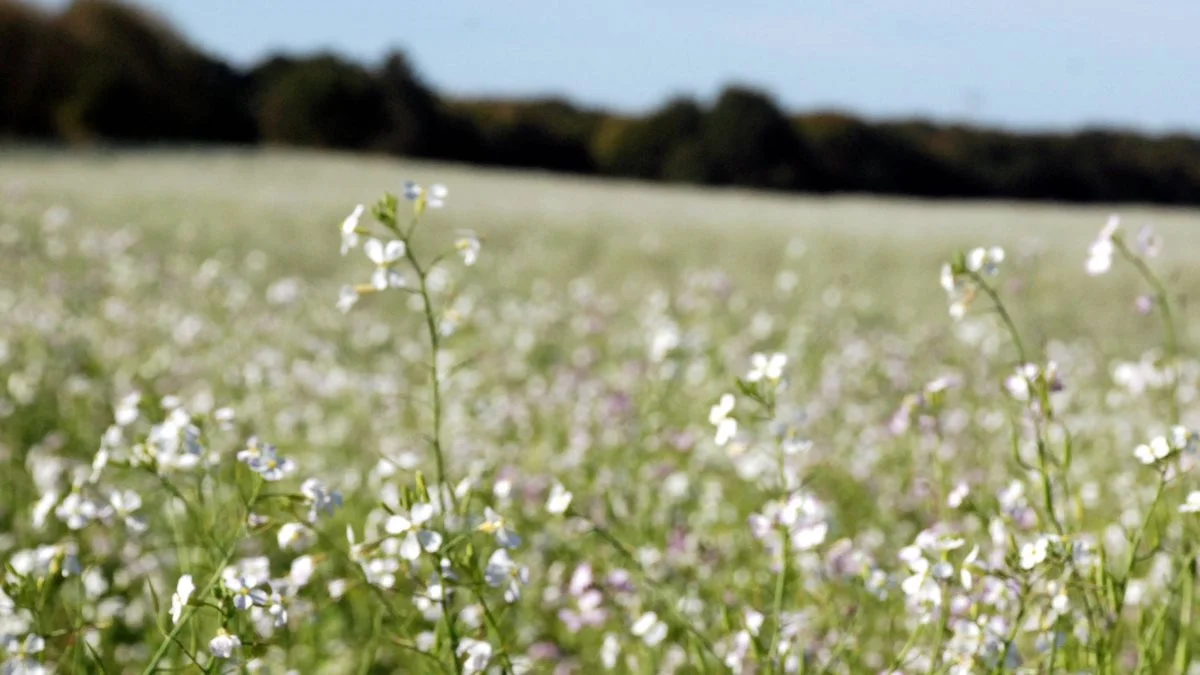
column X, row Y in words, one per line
column 1054, row 64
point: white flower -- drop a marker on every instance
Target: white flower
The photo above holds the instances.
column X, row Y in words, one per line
column 1100, row 254
column 320, row 499
column 718, row 415
column 347, row 297
column 21, row 653
column 1033, row 554
column 559, row 500
column 467, row 245
column 295, row 537
column 223, row 645
column 125, row 505
column 126, row 412
column 415, row 538
column 1149, row 243
column 503, row 571
column 1158, row 449
column 350, row 229
column 474, row 654
column 264, row 460
column 763, row 366
column 384, row 256
column 610, row 651
column 183, row 592
column 650, row 629
column 245, row 593
column 957, row 495
column 1192, row 505
column 437, row 195
column 493, row 523
column 984, row 260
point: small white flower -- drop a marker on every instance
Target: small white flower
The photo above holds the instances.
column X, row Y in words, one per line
column 650, row 629
column 474, row 654
column 718, row 415
column 295, row 537
column 493, row 523
column 1100, row 253
column 183, row 592
column 224, row 644
column 1192, row 505
column 384, row 256
column 1035, row 553
column 245, row 593
column 264, row 460
column 125, row 505
column 350, row 229
column 768, row 367
column 957, row 495
column 559, row 500
column 320, row 499
column 437, row 195
column 21, row 655
column 347, row 297
column 1157, row 450
column 467, row 245
column 503, row 571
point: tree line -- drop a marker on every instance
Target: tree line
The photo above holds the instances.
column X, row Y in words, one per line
column 103, row 71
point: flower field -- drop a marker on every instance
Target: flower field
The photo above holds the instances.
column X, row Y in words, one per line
column 292, row 413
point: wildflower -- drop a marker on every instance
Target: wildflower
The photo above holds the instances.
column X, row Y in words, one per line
column 610, row 651
column 124, row 505
column 1100, row 253
column 985, row 260
column 467, row 245
column 1149, row 243
column 1034, row 553
column 493, row 523
column 295, row 537
column 719, row 415
column 650, row 629
column 502, row 570
column 763, row 366
column 474, row 654
column 126, row 412
column 559, row 500
column 183, row 592
column 223, row 644
column 77, row 511
column 245, row 592
column 1157, row 450
column 350, row 229
column 21, row 655
column 347, row 297
column 434, row 197
column 384, row 256
column 958, row 495
column 415, row 538
column 1192, row 505
column 264, row 460
column 320, row 499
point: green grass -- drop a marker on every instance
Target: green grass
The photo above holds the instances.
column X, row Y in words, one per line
column 212, row 276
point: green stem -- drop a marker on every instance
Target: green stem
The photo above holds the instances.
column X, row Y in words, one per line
column 209, row 585
column 777, row 610
column 1187, row 602
column 1170, row 336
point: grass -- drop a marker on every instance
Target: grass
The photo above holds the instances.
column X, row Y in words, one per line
column 602, row 322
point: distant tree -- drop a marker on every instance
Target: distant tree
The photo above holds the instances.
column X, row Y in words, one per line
column 645, row 146
column 139, row 80
column 36, row 61
column 321, row 101
column 750, row 142
column 414, row 118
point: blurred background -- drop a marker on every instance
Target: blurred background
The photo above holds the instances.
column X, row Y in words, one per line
column 1075, row 101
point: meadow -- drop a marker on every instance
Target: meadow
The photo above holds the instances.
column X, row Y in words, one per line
column 574, row 426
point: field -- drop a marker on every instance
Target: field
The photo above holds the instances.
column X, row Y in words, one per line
column 566, row 456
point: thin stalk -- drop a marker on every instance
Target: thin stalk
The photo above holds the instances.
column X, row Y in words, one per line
column 777, row 609
column 209, row 585
column 1170, row 336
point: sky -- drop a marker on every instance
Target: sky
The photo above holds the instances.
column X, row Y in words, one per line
column 1020, row 64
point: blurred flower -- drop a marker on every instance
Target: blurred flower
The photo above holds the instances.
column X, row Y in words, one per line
column 719, row 415
column 350, row 229
column 1192, row 504
column 559, row 499
column 183, row 592
column 21, row 655
column 467, row 245
column 650, row 629
column 763, row 366
column 384, row 256
column 224, row 644
column 1100, row 253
